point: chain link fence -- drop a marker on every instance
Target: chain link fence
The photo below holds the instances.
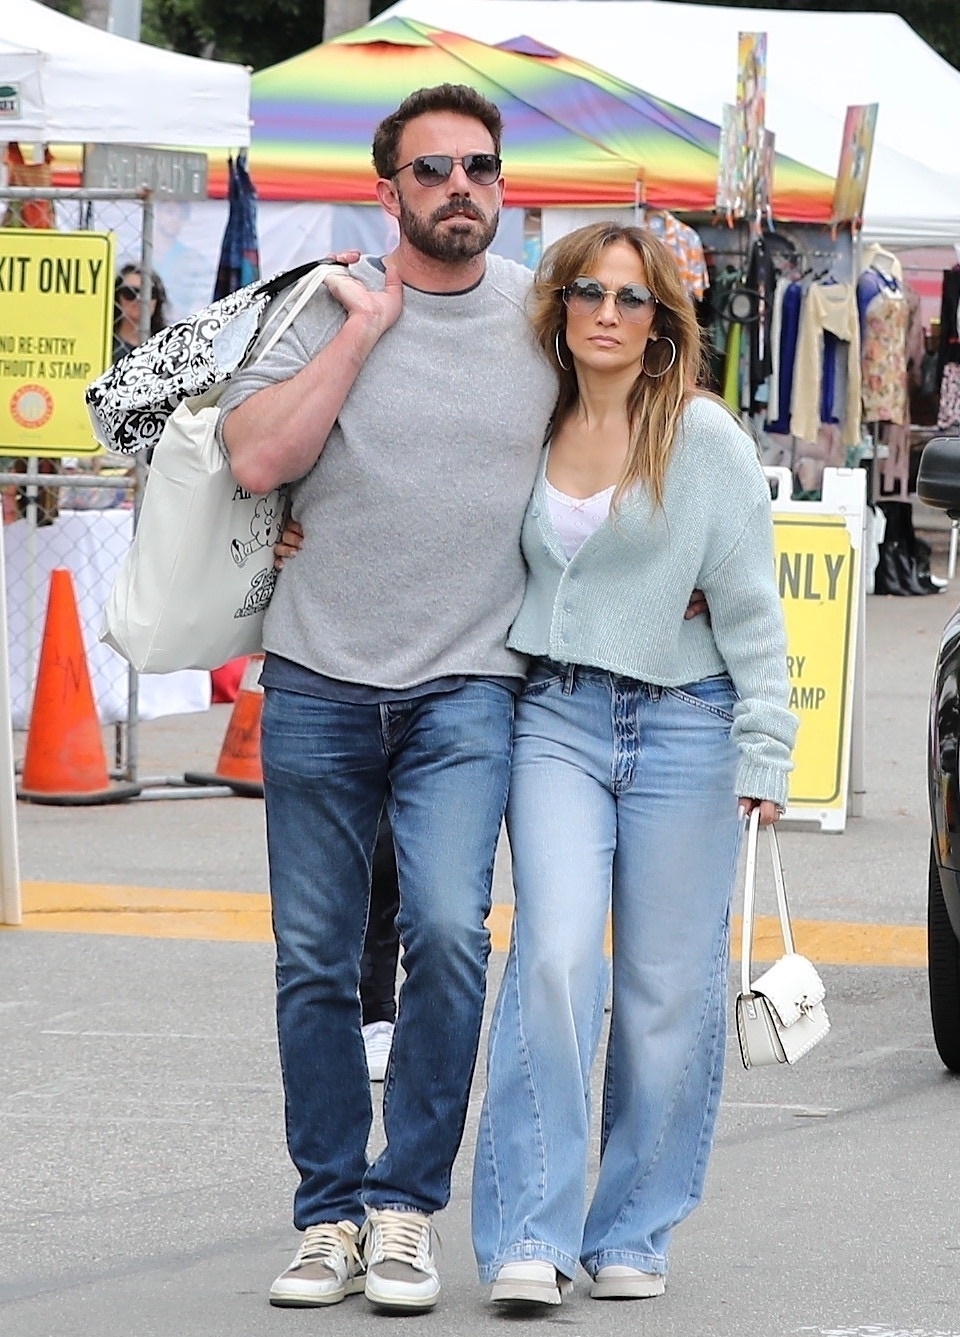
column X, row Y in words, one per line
column 78, row 511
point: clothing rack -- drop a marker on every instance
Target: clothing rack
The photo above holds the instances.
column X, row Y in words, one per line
column 809, row 261
column 801, row 253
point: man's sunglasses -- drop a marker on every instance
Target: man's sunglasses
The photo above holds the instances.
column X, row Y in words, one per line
column 584, row 296
column 127, row 293
column 433, row 169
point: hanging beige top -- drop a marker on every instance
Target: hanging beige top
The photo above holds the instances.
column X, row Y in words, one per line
column 826, row 307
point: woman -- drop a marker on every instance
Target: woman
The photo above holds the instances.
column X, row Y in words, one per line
column 126, row 317
column 635, row 733
column 126, row 309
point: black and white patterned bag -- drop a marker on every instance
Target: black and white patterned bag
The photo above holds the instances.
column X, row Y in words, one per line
column 129, row 405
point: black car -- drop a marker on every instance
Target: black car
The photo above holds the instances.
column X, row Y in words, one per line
column 938, row 484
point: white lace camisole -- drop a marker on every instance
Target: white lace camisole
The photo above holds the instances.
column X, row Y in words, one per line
column 574, row 519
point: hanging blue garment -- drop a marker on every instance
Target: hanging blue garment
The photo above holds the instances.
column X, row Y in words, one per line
column 240, row 248
column 828, row 379
column 789, row 330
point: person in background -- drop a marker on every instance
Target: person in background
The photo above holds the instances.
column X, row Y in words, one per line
column 640, row 736
column 381, row 951
column 126, row 333
column 126, row 309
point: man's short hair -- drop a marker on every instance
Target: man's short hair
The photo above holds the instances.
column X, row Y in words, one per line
column 459, row 98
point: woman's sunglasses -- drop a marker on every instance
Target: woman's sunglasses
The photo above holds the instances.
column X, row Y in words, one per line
column 584, row 296
column 127, row 293
column 433, row 169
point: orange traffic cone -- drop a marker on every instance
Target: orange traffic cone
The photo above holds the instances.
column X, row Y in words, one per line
column 239, row 762
column 64, row 760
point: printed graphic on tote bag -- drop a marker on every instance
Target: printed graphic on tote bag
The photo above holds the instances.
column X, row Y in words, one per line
column 266, row 526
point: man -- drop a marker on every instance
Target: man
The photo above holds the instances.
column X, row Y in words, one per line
column 407, row 405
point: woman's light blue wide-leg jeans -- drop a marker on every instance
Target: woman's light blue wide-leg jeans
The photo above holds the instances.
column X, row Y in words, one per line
column 622, row 799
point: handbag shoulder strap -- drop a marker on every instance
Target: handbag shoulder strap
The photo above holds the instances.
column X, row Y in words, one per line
column 786, row 928
column 273, row 287
column 298, row 297
column 749, row 897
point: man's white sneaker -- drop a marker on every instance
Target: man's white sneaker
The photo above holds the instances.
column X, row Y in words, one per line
column 529, row 1282
column 327, row 1268
column 377, row 1043
column 398, row 1251
column 627, row 1283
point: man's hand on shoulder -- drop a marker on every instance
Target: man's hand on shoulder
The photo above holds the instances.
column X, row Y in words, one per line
column 379, row 308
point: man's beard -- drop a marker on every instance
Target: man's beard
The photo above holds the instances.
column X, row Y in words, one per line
column 450, row 243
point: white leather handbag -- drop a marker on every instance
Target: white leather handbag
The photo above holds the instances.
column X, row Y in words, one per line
column 781, row 1014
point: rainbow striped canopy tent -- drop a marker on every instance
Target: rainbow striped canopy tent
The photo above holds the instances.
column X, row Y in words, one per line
column 800, row 193
column 573, row 135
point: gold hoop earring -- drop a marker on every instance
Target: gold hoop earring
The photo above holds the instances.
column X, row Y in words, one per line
column 655, row 375
column 567, row 366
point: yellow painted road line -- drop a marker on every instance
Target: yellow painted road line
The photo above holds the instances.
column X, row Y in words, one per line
column 238, row 916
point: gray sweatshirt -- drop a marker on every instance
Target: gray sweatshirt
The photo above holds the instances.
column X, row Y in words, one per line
column 411, row 566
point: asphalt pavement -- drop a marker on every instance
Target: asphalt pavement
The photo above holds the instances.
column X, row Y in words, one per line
column 146, row 1190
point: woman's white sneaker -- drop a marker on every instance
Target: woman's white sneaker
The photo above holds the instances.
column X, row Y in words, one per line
column 530, row 1282
column 627, row 1283
column 327, row 1267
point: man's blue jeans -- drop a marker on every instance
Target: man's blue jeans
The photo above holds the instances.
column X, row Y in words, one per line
column 442, row 763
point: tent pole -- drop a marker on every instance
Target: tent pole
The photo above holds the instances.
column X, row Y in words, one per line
column 125, row 19
column 11, row 909
column 639, row 207
column 132, row 740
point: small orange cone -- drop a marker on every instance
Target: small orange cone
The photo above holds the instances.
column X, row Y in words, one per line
column 64, row 760
column 239, row 762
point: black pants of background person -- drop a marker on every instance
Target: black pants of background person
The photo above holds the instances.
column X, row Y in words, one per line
column 904, row 565
column 381, row 943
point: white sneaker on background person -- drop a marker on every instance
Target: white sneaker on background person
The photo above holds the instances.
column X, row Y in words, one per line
column 377, row 1042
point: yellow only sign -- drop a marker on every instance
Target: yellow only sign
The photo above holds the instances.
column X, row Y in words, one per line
column 817, row 573
column 56, row 335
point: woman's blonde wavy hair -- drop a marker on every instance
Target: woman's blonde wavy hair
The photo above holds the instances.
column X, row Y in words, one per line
column 655, row 402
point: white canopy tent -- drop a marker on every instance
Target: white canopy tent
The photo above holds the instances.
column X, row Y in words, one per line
column 71, row 83
column 818, row 64
column 21, row 97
